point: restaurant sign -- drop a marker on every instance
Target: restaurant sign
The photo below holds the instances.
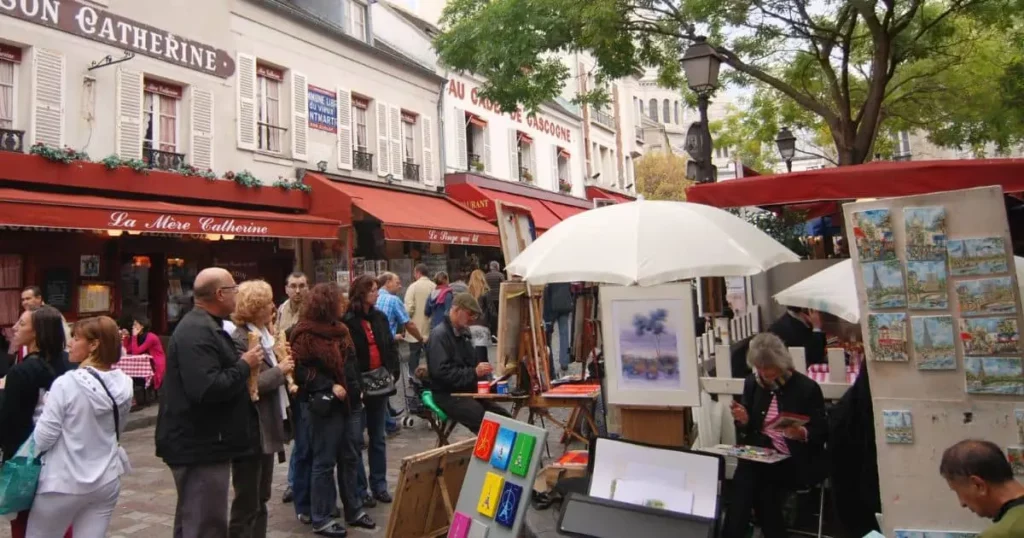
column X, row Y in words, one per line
column 434, row 235
column 184, row 224
column 538, row 122
column 105, row 27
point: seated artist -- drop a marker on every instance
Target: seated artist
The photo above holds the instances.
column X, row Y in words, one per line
column 453, row 366
column 774, row 388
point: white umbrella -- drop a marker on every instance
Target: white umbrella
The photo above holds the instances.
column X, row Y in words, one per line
column 648, row 243
column 833, row 290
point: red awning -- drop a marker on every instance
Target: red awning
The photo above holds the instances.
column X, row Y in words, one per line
column 481, row 200
column 597, row 192
column 82, row 212
column 427, row 218
column 561, row 210
column 525, row 138
column 477, row 120
column 873, row 180
column 562, row 152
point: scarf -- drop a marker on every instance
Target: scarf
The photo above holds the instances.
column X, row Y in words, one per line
column 326, row 345
column 267, row 342
column 775, row 385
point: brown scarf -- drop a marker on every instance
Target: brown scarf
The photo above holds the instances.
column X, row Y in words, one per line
column 325, row 343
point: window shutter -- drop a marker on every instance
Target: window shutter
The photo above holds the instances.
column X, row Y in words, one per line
column 300, row 117
column 345, row 139
column 395, row 134
column 532, row 165
column 461, row 147
column 202, row 129
column 47, row 97
column 554, row 168
column 427, row 166
column 246, row 90
column 513, row 154
column 129, row 131
column 487, row 150
column 383, row 154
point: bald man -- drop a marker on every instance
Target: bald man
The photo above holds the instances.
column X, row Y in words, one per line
column 206, row 417
column 982, row 478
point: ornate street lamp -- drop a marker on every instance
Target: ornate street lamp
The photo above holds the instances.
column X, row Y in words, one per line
column 787, row 147
column 700, row 62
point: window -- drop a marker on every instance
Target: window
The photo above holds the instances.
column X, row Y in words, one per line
column 407, row 138
column 7, row 71
column 359, row 107
column 358, row 12
column 677, row 113
column 653, row 110
column 902, row 143
column 641, row 106
column 525, row 150
column 160, row 111
column 268, row 102
column 666, row 112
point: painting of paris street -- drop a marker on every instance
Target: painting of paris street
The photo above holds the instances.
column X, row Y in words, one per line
column 883, row 284
column 888, row 337
column 994, row 375
column 873, row 232
column 979, row 256
column 926, row 233
column 990, row 336
column 986, row 296
column 934, row 347
column 926, row 285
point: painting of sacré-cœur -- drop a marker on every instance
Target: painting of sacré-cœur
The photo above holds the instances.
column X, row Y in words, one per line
column 926, row 233
column 648, row 344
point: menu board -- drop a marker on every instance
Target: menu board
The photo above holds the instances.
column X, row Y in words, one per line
column 435, row 263
column 57, row 289
column 94, row 298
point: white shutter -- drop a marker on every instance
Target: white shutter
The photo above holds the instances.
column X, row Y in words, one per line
column 461, row 148
column 202, row 129
column 513, row 154
column 383, row 153
column 395, row 134
column 427, row 166
column 532, row 165
column 246, row 102
column 487, row 150
column 345, row 141
column 554, row 168
column 129, row 130
column 47, row 123
column 300, row 117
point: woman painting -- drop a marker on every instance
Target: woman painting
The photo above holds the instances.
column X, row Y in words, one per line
column 143, row 342
column 78, row 434
column 771, row 389
column 252, row 478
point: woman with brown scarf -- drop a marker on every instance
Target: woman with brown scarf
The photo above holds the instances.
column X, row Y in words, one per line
column 330, row 393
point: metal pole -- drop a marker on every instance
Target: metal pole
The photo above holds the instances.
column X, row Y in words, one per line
column 704, row 172
column 789, row 165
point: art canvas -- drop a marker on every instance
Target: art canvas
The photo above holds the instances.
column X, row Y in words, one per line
column 990, row 336
column 926, row 285
column 887, row 337
column 873, row 231
column 647, row 344
column 934, row 347
column 522, row 452
column 903, row 533
column 477, row 530
column 1018, row 414
column 978, row 256
column 508, row 504
column 986, row 296
column 460, row 525
column 994, row 375
column 485, row 439
column 503, row 448
column 1015, row 454
column 899, row 427
column 490, row 493
column 883, row 284
column 926, row 233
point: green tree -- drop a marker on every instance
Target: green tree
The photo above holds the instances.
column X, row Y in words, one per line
column 662, row 176
column 843, row 67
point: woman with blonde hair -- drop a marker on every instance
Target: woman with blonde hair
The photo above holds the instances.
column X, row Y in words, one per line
column 79, row 435
column 252, row 477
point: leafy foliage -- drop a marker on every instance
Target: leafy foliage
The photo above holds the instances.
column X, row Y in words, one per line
column 661, row 176
column 786, row 227
column 113, row 162
column 64, row 155
column 291, row 184
column 243, row 178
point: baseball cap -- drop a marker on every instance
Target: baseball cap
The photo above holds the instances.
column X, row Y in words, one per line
column 466, row 301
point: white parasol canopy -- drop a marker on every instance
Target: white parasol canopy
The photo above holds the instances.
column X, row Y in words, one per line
column 833, row 290
column 648, row 243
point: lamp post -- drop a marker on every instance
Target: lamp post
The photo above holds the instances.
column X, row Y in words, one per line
column 700, row 62
column 787, row 147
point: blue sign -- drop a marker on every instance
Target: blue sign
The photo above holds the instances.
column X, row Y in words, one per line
column 323, row 109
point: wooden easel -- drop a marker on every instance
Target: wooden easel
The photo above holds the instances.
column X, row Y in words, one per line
column 662, row 426
column 429, row 485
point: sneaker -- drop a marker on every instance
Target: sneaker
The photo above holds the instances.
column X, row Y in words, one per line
column 364, row 522
column 383, row 497
column 369, row 502
column 304, row 519
column 288, row 496
column 332, row 529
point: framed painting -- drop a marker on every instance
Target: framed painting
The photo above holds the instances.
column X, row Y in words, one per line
column 650, row 345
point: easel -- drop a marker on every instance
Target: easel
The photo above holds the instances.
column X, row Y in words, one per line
column 429, row 484
column 664, row 426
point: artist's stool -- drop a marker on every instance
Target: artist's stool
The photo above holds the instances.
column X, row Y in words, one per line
column 440, row 424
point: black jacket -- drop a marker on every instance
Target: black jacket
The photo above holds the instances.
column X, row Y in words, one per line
column 206, row 415
column 557, row 300
column 451, row 360
column 794, row 333
column 21, row 395
column 314, row 378
column 381, row 334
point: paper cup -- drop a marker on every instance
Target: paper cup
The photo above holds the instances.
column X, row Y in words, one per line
column 503, row 387
column 483, row 387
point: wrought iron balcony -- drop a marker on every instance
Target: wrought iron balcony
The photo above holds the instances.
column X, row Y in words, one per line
column 362, row 160
column 11, row 140
column 604, row 119
column 410, row 171
column 163, row 160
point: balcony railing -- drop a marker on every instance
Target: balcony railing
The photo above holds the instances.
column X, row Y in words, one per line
column 11, row 140
column 163, row 160
column 410, row 171
column 270, row 136
column 604, row 119
column 639, row 134
column 903, row 157
column 362, row 160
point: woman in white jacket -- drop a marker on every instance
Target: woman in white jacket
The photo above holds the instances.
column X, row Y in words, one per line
column 78, row 434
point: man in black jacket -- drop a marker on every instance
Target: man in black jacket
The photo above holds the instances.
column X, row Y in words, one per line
column 453, row 367
column 206, row 417
column 801, row 327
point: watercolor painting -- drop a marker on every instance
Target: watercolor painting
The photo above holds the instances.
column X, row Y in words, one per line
column 990, row 336
column 980, row 256
column 903, row 533
column 1019, row 416
column 888, row 337
column 1015, row 454
column 994, row 375
column 873, row 231
column 899, row 427
column 986, row 296
column 883, row 283
column 648, row 344
column 933, row 342
column 926, row 285
column 926, row 233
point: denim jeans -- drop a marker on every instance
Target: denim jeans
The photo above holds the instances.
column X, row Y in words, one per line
column 562, row 352
column 415, row 351
column 302, row 461
column 296, row 408
column 328, row 434
column 375, row 413
column 358, row 425
column 349, row 463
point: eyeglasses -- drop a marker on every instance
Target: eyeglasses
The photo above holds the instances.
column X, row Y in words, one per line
column 232, row 289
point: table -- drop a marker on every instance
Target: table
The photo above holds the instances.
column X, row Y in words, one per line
column 820, row 372
column 540, row 406
column 137, row 367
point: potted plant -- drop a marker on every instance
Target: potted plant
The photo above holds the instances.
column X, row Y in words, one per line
column 564, row 186
column 528, row 176
column 478, row 166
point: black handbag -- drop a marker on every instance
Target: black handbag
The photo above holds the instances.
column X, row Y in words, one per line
column 377, row 383
column 320, row 403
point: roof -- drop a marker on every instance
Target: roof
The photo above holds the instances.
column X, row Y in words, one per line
column 421, row 24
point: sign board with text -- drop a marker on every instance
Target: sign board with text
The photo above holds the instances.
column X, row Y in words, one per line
column 323, row 109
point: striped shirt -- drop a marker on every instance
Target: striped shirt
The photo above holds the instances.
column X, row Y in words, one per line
column 778, row 440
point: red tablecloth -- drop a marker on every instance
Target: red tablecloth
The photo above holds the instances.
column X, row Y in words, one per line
column 137, row 366
column 819, row 373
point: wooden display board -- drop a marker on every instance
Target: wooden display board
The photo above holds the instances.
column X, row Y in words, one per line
column 429, row 484
column 919, row 386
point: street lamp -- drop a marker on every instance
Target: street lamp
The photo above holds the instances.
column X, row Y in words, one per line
column 700, row 62
column 787, row 147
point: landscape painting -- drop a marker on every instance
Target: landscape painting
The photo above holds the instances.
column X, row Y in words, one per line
column 1015, row 454
column 888, row 337
column 873, row 231
column 990, row 336
column 883, row 284
column 933, row 342
column 648, row 344
column 986, row 296
column 899, row 427
column 1018, row 414
column 994, row 375
column 903, row 533
column 926, row 233
column 926, row 285
column 979, row 256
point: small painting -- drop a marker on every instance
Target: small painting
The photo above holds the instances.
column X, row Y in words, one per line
column 926, row 233
column 460, row 525
column 979, row 256
column 522, row 453
column 903, row 533
column 994, row 375
column 986, row 296
column 926, row 285
column 90, row 266
column 873, row 231
column 883, row 284
column 478, row 529
column 503, row 448
column 485, row 439
column 490, row 493
column 888, row 337
column 899, row 427
column 933, row 342
column 508, row 505
column 1019, row 416
column 1015, row 454
column 990, row 336
column 648, row 344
